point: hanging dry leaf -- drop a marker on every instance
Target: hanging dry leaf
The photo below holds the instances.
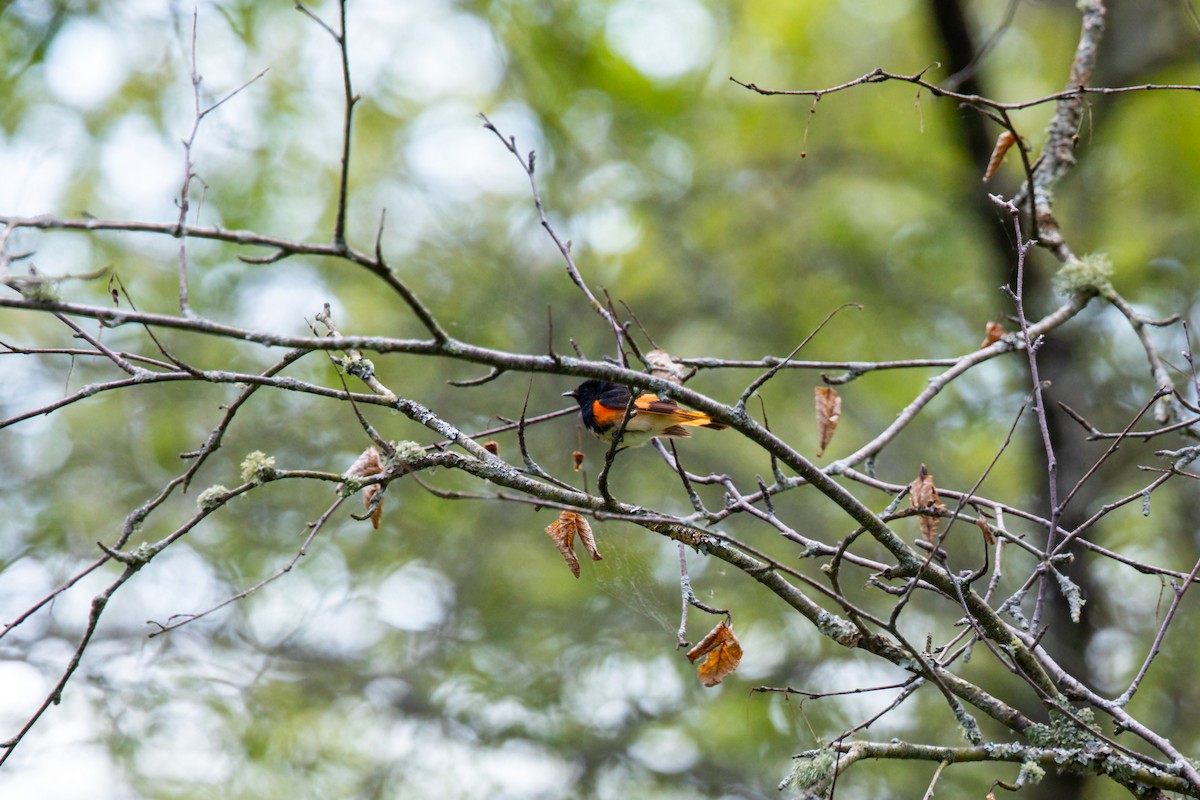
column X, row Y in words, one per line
column 829, row 412
column 578, row 457
column 492, row 447
column 923, row 492
column 985, row 529
column 924, row 497
column 563, row 531
column 722, row 651
column 663, row 366
column 588, row 538
column 369, row 495
column 368, row 463
column 1003, row 142
column 992, row 333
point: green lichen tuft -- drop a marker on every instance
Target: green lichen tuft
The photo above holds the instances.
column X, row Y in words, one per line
column 1062, row 732
column 1031, row 773
column 1090, row 274
column 41, row 292
column 810, row 772
column 408, row 451
column 967, row 725
column 258, row 467
column 211, row 497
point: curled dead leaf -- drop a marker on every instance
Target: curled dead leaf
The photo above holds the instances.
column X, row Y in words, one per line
column 985, row 529
column 722, row 652
column 924, row 497
column 563, row 531
column 923, row 492
column 492, row 447
column 368, row 464
column 577, row 455
column 376, row 513
column 1003, row 143
column 829, row 413
column 993, row 332
column 663, row 366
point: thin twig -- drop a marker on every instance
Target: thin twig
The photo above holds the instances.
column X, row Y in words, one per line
column 564, row 247
column 350, row 100
column 1178, row 592
column 185, row 191
column 1017, row 295
column 179, row 620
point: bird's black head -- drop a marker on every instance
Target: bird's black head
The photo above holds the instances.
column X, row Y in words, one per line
column 586, row 393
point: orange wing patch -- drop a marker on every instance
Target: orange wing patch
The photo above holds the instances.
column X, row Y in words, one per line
column 651, row 404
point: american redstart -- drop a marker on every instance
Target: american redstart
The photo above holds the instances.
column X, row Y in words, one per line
column 602, row 406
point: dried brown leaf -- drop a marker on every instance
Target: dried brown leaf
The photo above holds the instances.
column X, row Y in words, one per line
column 367, row 464
column 924, row 497
column 1003, row 143
column 993, row 332
column 829, row 413
column 563, row 531
column 492, row 447
column 377, row 514
column 568, row 552
column 929, row 527
column 985, row 529
column 663, row 366
column 588, row 538
column 722, row 652
column 578, row 457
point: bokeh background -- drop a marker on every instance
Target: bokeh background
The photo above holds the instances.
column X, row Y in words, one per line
column 450, row 653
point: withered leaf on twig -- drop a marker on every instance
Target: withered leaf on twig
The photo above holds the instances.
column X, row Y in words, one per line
column 366, row 465
column 924, row 497
column 985, row 529
column 722, row 651
column 663, row 366
column 1004, row 142
column 369, row 495
column 563, row 531
column 993, row 332
column 829, row 413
